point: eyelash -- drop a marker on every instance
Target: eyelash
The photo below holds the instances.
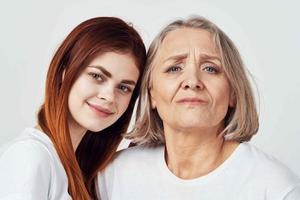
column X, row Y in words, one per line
column 207, row 67
column 125, row 89
column 210, row 67
column 96, row 76
column 173, row 69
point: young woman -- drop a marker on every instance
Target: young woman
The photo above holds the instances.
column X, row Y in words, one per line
column 91, row 87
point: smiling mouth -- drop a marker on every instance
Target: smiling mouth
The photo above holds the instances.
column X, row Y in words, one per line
column 101, row 111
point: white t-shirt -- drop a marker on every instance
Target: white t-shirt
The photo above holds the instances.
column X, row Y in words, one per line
column 30, row 169
column 248, row 174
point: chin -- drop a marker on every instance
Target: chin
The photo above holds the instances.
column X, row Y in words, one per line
column 193, row 121
column 99, row 126
column 193, row 124
column 96, row 128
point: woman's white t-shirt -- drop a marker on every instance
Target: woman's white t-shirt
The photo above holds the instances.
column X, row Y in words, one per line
column 30, row 169
column 248, row 174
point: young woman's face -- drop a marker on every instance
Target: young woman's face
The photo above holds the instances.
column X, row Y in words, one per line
column 190, row 89
column 102, row 92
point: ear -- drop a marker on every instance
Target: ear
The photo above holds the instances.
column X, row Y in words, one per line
column 152, row 97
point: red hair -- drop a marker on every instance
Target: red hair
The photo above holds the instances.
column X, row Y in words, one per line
column 84, row 43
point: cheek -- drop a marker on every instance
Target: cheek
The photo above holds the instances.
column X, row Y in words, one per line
column 123, row 103
column 74, row 96
column 83, row 88
column 222, row 98
column 163, row 90
column 220, row 90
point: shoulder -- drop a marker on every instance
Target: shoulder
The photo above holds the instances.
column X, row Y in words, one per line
column 139, row 154
column 25, row 168
column 267, row 171
column 21, row 154
column 25, row 150
column 134, row 160
column 130, row 165
column 128, row 160
column 266, row 162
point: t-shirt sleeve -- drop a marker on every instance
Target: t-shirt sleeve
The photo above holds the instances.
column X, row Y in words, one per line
column 25, row 171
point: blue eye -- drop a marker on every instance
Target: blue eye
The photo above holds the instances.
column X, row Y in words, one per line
column 210, row 69
column 173, row 69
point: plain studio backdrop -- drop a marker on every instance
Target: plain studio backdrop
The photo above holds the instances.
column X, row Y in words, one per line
column 267, row 34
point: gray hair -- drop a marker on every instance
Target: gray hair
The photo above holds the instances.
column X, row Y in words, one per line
column 240, row 122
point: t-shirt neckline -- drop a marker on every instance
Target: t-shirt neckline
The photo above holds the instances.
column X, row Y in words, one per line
column 202, row 179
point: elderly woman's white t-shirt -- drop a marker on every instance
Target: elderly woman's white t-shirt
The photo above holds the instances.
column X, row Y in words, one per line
column 30, row 169
column 248, row 174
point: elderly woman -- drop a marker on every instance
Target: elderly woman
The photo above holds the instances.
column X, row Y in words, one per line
column 195, row 115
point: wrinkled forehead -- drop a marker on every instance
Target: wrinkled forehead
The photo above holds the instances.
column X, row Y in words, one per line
column 187, row 41
column 184, row 42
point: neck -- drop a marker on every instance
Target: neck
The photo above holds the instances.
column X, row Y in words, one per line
column 76, row 133
column 194, row 153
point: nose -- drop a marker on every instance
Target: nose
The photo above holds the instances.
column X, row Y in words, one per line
column 192, row 78
column 106, row 93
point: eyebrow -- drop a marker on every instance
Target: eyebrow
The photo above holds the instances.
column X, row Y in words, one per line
column 128, row 82
column 202, row 56
column 210, row 57
column 109, row 75
column 177, row 57
column 104, row 71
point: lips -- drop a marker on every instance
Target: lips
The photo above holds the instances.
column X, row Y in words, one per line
column 103, row 112
column 191, row 100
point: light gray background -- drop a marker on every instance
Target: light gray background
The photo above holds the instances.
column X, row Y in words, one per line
column 266, row 32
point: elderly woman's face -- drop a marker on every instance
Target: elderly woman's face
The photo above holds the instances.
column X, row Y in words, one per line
column 189, row 86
